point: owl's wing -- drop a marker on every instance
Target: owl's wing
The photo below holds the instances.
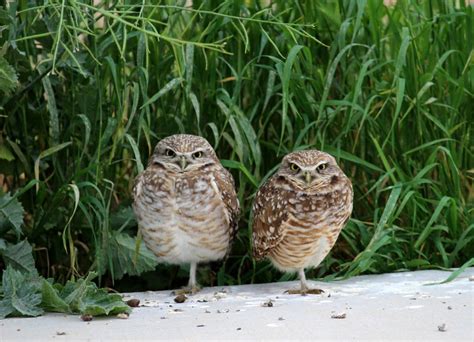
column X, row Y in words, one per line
column 269, row 216
column 226, row 186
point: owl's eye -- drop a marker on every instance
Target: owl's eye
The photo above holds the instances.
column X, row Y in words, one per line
column 294, row 167
column 197, row 154
column 169, row 153
column 322, row 167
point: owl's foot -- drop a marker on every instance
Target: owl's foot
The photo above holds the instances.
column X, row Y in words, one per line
column 304, row 292
column 192, row 290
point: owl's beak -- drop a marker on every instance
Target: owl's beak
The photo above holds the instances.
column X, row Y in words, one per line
column 183, row 163
column 307, row 176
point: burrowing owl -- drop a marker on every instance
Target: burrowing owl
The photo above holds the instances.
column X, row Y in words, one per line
column 185, row 203
column 300, row 211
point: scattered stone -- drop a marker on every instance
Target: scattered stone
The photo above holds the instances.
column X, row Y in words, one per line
column 341, row 315
column 60, row 333
column 238, row 329
column 207, row 311
column 268, row 304
column 177, row 310
column 200, row 325
column 281, row 319
column 123, row 315
column 442, row 327
column 202, row 300
column 450, row 307
column 86, row 317
column 223, row 311
column 471, row 278
column 220, row 295
column 133, row 303
column 162, row 317
column 181, row 298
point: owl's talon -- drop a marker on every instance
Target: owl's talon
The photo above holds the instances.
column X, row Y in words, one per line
column 186, row 291
column 304, row 292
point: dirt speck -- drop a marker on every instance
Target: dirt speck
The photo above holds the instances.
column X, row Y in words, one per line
column 181, row 298
column 87, row 317
column 340, row 315
column 200, row 325
column 281, row 319
column 60, row 333
column 123, row 315
column 162, row 317
column 268, row 304
column 442, row 327
column 238, row 329
column 450, row 307
column 133, row 303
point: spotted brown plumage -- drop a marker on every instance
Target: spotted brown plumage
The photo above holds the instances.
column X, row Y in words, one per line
column 185, row 203
column 300, row 211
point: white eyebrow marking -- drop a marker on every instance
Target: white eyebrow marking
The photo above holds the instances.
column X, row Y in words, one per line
column 321, row 163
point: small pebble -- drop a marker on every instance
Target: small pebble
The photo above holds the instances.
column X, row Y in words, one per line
column 341, row 315
column 133, row 303
column 123, row 315
column 450, row 307
column 60, row 333
column 86, row 317
column 268, row 304
column 200, row 325
column 442, row 327
column 180, row 298
column 238, row 329
column 281, row 319
column 471, row 278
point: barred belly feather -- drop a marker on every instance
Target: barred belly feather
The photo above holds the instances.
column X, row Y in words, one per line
column 183, row 218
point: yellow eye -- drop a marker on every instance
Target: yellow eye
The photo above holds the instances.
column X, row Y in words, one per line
column 197, row 154
column 294, row 167
column 322, row 167
column 170, row 153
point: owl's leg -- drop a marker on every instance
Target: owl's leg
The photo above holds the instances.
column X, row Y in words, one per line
column 192, row 287
column 305, row 289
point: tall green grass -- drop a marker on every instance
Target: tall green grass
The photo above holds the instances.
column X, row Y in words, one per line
column 387, row 90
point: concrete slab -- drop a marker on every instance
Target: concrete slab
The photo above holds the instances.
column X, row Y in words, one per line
column 380, row 307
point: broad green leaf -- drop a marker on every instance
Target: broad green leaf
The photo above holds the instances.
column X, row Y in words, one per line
column 98, row 302
column 5, row 153
column 8, row 77
column 21, row 294
column 20, row 257
column 11, row 214
column 121, row 257
column 51, row 300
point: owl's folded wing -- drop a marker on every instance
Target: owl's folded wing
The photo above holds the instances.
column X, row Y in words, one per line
column 269, row 216
column 226, row 187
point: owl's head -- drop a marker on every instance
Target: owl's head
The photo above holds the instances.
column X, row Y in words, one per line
column 183, row 152
column 310, row 169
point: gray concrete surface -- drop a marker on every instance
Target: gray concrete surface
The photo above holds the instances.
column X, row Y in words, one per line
column 380, row 307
